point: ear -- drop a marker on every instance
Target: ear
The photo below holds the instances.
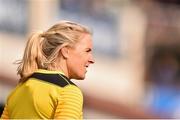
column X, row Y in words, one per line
column 65, row 52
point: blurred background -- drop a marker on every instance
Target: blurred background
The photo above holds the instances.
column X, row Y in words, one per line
column 136, row 48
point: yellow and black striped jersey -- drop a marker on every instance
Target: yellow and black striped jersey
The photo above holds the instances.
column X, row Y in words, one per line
column 45, row 95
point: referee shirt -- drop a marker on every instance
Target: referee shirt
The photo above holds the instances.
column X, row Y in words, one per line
column 45, row 95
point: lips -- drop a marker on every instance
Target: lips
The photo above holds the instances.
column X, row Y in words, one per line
column 86, row 68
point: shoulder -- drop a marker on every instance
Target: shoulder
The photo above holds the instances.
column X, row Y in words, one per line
column 72, row 91
column 14, row 91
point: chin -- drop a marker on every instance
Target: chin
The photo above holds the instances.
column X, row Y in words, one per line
column 77, row 76
column 80, row 77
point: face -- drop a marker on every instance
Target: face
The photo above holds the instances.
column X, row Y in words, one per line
column 80, row 57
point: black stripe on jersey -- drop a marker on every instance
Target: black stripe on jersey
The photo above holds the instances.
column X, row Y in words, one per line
column 57, row 79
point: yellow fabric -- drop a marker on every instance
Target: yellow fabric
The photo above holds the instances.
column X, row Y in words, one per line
column 5, row 113
column 48, row 71
column 42, row 100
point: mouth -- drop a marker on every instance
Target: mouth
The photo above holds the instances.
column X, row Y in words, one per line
column 86, row 68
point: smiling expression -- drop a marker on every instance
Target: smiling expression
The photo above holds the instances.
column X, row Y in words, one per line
column 80, row 57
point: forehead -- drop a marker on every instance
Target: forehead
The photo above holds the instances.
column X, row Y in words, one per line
column 86, row 41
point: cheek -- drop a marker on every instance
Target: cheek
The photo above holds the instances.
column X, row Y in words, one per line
column 76, row 65
column 77, row 70
column 81, row 65
column 79, row 59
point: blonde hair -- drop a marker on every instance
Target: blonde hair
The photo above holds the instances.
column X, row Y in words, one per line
column 42, row 48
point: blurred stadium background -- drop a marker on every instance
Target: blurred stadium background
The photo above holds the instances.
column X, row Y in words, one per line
column 136, row 48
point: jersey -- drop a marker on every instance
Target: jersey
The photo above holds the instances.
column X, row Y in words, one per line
column 45, row 95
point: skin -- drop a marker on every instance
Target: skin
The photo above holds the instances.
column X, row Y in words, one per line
column 78, row 58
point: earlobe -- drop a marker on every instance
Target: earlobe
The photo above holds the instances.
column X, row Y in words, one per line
column 64, row 52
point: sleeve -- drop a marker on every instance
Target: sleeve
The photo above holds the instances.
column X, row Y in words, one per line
column 5, row 113
column 70, row 105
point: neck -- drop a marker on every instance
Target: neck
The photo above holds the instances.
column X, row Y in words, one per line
column 60, row 66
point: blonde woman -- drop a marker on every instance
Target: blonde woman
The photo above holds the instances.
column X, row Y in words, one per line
column 50, row 60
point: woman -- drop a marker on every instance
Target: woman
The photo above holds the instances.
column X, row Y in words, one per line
column 50, row 60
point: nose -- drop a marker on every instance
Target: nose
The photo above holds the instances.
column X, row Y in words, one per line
column 91, row 60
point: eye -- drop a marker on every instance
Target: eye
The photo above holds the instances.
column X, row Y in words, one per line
column 88, row 50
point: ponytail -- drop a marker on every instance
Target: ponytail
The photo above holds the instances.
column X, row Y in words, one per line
column 33, row 57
